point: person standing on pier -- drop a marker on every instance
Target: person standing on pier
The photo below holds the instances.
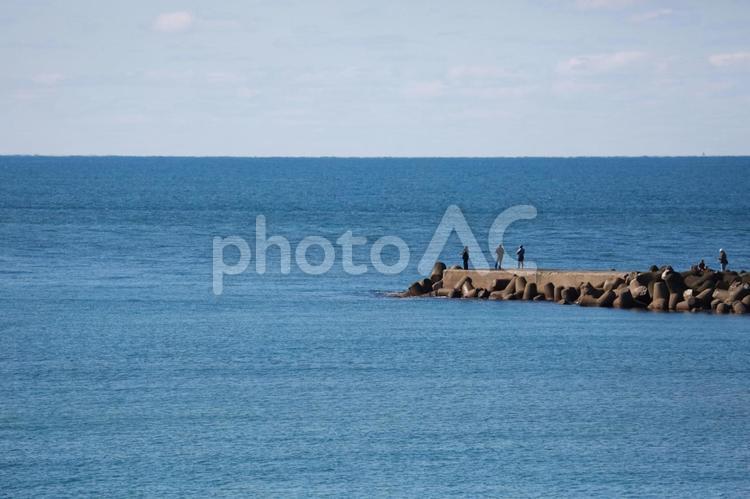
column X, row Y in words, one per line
column 723, row 260
column 520, row 253
column 500, row 253
column 465, row 256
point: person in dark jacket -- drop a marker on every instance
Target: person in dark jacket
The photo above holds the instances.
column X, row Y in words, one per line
column 520, row 253
column 465, row 256
column 723, row 260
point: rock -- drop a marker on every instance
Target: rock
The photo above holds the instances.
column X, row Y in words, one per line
column 549, row 291
column 675, row 282
column 415, row 289
column 689, row 273
column 569, row 295
column 612, row 284
column 515, row 289
column 643, row 278
column 589, row 295
column 499, row 284
column 587, row 300
column 640, row 295
column 684, row 306
column 462, row 281
column 437, row 271
column 658, row 304
column 697, row 282
column 529, row 291
column 660, row 291
column 606, row 299
column 588, row 289
column 624, row 300
column 722, row 308
column 468, row 290
column 721, row 294
column 674, row 299
column 738, row 292
column 704, row 298
column 708, row 284
column 730, row 277
column 652, row 284
column 692, row 281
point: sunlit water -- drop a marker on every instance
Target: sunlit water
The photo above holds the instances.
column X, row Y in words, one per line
column 122, row 373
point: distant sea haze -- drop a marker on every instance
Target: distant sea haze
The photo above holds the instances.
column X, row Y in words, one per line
column 124, row 373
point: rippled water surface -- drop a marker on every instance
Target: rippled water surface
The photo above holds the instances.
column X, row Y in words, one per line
column 122, row 373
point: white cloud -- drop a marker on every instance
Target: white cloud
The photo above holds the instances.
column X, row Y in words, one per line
column 497, row 92
column 600, row 63
column 426, row 89
column 605, row 4
column 170, row 75
column 25, row 94
column 729, row 59
column 173, row 22
column 247, row 92
column 573, row 87
column 131, row 119
column 48, row 78
column 477, row 72
column 476, row 81
column 651, row 15
column 219, row 77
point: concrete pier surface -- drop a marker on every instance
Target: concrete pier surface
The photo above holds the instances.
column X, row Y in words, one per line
column 483, row 278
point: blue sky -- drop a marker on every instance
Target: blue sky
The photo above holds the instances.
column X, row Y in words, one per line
column 366, row 78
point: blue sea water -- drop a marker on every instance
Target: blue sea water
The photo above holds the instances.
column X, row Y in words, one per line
column 123, row 374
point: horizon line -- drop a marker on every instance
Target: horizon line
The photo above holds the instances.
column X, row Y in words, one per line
column 145, row 156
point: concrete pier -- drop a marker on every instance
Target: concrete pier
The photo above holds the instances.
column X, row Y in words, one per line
column 658, row 289
column 568, row 278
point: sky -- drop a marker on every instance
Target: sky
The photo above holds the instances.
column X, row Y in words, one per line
column 375, row 78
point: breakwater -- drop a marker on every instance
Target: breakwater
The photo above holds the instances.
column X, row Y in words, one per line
column 657, row 289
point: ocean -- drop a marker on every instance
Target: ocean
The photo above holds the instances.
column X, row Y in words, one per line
column 124, row 373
